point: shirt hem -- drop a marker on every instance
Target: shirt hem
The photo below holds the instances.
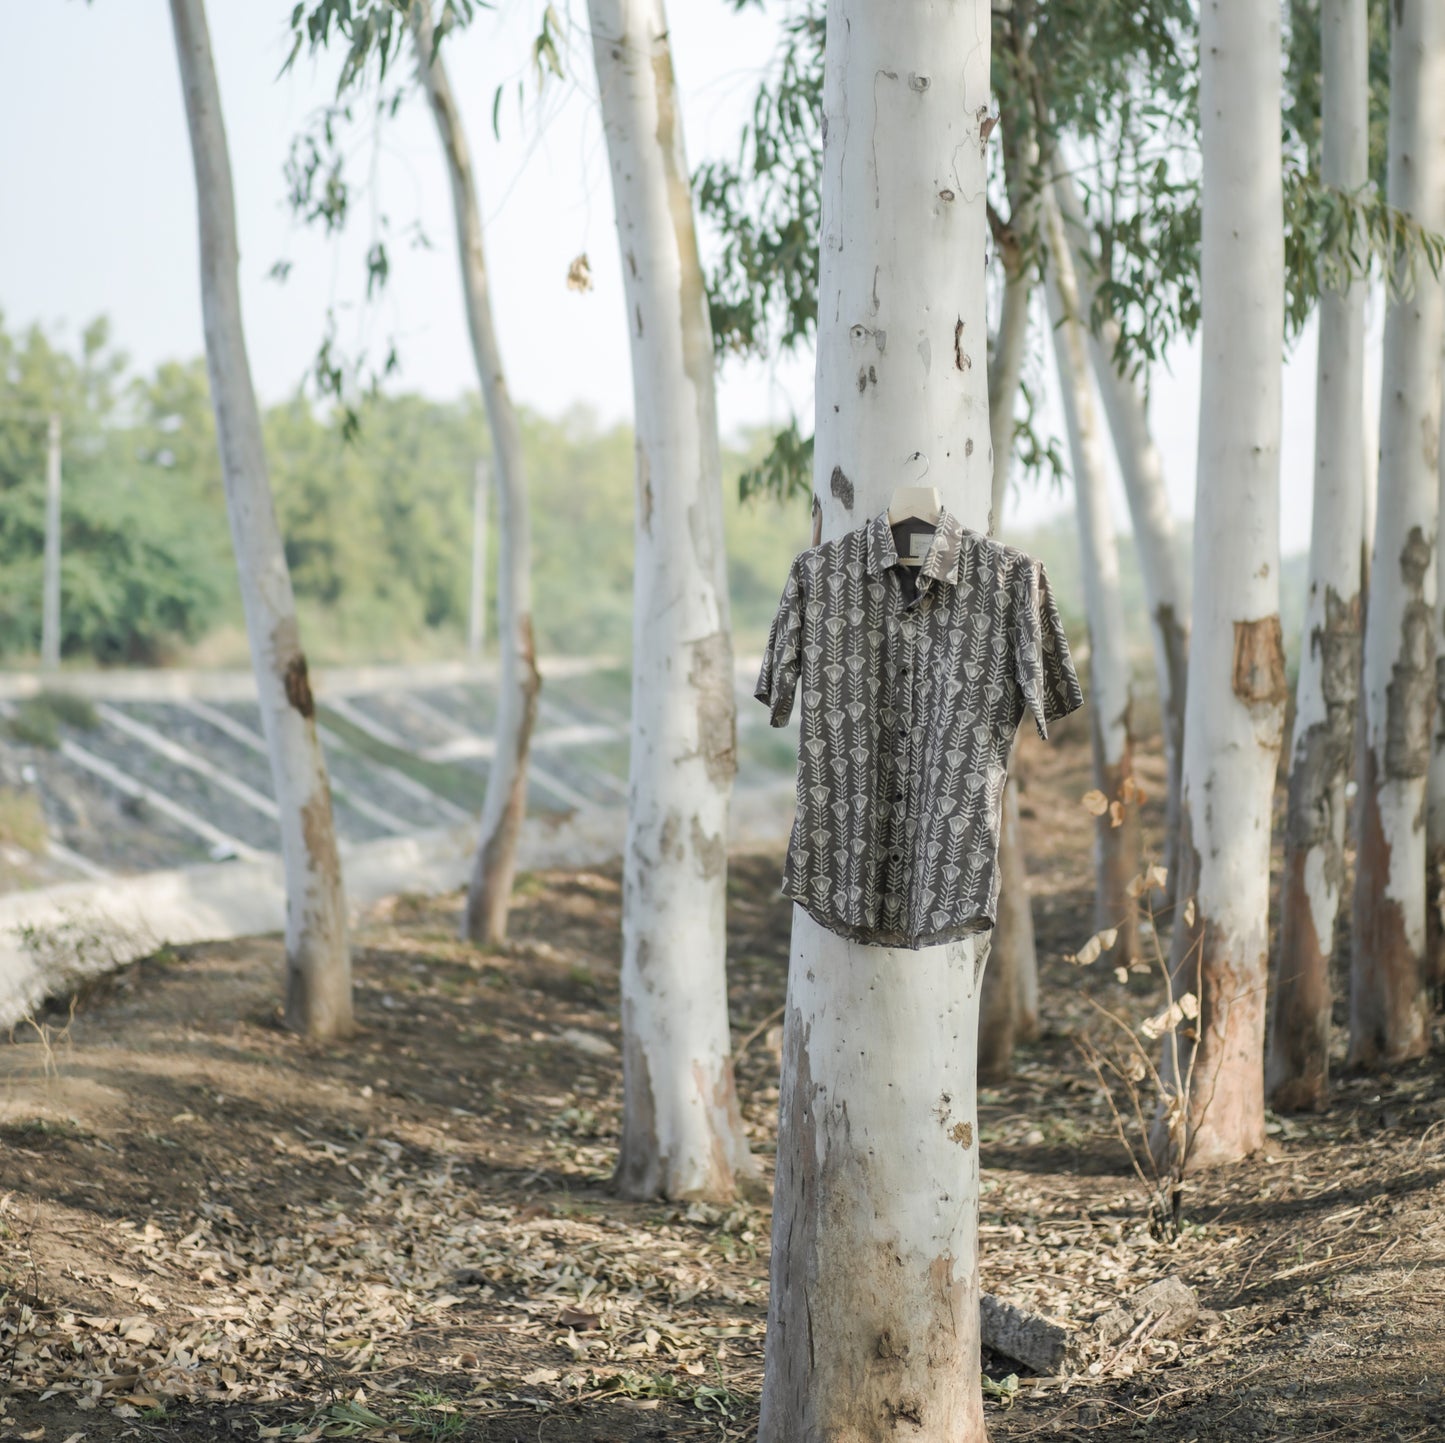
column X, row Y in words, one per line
column 1056, row 713
column 874, row 937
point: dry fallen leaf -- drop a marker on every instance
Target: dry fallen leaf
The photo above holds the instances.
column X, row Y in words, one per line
column 1166, row 1021
column 1099, row 942
column 576, row 1318
column 579, row 274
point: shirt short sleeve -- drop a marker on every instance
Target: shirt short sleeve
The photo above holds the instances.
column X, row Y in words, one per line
column 778, row 679
column 1042, row 663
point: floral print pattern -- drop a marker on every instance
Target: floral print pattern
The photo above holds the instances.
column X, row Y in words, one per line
column 912, row 695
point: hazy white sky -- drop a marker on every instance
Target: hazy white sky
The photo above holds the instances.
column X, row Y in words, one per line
column 97, row 213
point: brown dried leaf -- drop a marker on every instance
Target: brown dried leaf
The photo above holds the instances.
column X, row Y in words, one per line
column 579, row 274
column 1186, row 1007
column 1094, row 802
column 1099, row 942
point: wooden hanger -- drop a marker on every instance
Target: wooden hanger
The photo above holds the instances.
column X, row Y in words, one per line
column 915, row 503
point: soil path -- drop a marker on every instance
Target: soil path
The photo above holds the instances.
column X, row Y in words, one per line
column 210, row 1229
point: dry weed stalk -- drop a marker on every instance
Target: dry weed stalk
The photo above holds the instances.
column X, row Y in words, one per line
column 19, row 1291
column 1148, row 1101
column 51, row 1039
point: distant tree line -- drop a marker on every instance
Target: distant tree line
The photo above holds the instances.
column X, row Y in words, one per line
column 377, row 530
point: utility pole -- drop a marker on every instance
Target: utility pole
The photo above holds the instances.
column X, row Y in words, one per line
column 476, row 621
column 50, row 600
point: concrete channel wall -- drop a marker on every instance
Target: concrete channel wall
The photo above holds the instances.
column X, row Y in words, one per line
column 54, row 938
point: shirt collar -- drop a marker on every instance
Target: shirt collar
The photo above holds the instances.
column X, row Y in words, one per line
column 941, row 562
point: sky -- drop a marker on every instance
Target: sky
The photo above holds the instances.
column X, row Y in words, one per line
column 97, row 216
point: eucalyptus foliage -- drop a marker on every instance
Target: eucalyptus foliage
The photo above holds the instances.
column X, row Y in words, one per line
column 144, row 551
column 370, row 35
column 1105, row 88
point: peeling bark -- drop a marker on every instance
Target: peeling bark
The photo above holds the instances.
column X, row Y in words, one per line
column 1214, row 1064
column 1389, row 1019
column 873, row 1321
column 1235, row 707
column 682, row 1132
column 1297, row 1061
column 318, row 961
column 1435, row 834
column 494, row 869
column 489, row 892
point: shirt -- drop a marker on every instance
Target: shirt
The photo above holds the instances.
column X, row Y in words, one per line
column 913, row 690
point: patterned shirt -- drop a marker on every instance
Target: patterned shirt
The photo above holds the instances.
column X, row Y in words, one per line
column 913, row 689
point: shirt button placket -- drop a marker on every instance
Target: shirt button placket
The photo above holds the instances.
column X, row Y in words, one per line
column 908, row 630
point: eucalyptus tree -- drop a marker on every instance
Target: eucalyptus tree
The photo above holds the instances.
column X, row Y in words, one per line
column 372, row 33
column 1116, row 827
column 489, row 891
column 1234, row 714
column 1101, row 61
column 1389, row 1014
column 1297, row 1064
column 318, row 960
column 1009, row 1005
column 763, row 293
column 873, row 1321
column 1165, row 580
column 682, row 1133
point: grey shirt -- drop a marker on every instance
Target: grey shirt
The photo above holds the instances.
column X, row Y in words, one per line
column 912, row 694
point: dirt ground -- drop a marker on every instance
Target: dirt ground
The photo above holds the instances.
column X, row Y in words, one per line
column 212, row 1229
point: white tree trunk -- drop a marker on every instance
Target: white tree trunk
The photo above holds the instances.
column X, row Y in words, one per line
column 1235, row 708
column 1111, row 691
column 1389, row 1018
column 477, row 602
column 1435, row 807
column 873, row 1317
column 489, row 892
column 1165, row 585
column 682, row 1134
column 1009, row 1008
column 318, row 962
column 1297, row 1064
column 1010, row 352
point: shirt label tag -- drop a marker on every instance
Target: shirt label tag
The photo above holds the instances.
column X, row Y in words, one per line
column 918, row 545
